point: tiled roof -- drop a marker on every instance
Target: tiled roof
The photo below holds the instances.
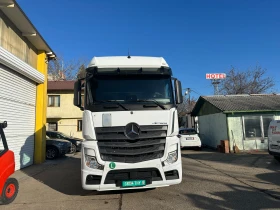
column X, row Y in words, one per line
column 61, row 85
column 253, row 102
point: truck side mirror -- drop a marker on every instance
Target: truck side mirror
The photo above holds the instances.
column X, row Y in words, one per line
column 77, row 93
column 178, row 92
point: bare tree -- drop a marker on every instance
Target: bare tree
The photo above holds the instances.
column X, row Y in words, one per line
column 246, row 82
column 186, row 107
column 61, row 69
column 81, row 72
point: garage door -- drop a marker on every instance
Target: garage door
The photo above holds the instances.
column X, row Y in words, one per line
column 17, row 107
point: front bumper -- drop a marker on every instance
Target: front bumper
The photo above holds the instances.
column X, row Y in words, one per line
column 132, row 169
column 190, row 143
column 274, row 153
column 121, row 166
column 64, row 149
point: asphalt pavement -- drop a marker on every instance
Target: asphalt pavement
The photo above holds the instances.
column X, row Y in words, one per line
column 211, row 180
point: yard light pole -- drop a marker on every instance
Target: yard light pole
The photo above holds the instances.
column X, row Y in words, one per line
column 188, row 93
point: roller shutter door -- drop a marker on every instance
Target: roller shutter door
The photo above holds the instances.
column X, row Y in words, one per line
column 17, row 107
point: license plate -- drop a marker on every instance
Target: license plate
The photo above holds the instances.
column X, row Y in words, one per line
column 190, row 138
column 134, row 183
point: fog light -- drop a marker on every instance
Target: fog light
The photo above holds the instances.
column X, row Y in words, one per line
column 171, row 158
column 91, row 162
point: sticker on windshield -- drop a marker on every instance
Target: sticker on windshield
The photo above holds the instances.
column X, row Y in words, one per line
column 112, row 165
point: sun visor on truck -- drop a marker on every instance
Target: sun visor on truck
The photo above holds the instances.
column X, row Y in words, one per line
column 124, row 71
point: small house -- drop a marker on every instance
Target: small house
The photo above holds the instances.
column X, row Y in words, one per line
column 241, row 119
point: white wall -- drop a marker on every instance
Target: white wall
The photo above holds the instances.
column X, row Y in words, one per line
column 213, row 129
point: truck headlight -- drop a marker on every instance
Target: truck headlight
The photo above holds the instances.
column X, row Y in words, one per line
column 171, row 158
column 91, row 162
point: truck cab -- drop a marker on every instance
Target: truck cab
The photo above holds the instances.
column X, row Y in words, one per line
column 130, row 123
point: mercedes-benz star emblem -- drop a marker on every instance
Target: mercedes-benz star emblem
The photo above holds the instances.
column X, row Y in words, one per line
column 132, row 131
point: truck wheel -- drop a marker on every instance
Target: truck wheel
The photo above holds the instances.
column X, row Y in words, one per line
column 51, row 153
column 10, row 191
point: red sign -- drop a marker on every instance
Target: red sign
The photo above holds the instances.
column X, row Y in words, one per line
column 216, row 76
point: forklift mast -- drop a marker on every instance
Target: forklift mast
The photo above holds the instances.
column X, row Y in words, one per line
column 2, row 135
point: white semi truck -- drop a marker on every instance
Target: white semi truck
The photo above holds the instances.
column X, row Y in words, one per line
column 130, row 123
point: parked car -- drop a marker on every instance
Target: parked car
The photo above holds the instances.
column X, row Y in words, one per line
column 56, row 147
column 76, row 142
column 189, row 138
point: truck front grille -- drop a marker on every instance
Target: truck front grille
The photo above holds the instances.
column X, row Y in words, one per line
column 115, row 146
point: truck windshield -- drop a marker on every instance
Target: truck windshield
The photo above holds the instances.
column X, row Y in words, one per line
column 131, row 88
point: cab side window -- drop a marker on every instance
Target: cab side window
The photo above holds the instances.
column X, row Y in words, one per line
column 58, row 136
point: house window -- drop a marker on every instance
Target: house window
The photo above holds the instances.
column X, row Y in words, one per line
column 256, row 126
column 252, row 126
column 54, row 101
column 52, row 126
column 79, row 125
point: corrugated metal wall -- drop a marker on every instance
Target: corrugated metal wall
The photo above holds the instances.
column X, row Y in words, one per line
column 213, row 129
column 12, row 40
column 17, row 107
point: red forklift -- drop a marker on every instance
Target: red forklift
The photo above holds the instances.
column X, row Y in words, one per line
column 8, row 185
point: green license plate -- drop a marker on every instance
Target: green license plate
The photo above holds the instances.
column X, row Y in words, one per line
column 134, row 183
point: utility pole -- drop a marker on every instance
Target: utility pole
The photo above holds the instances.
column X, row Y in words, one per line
column 189, row 91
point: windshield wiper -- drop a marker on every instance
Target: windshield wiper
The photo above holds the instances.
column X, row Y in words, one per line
column 152, row 100
column 116, row 102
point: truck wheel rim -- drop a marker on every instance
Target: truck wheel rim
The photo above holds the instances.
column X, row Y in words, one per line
column 10, row 190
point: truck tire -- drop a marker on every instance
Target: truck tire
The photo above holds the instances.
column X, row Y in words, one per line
column 51, row 153
column 9, row 192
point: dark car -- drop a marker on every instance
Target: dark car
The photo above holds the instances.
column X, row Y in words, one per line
column 56, row 147
column 76, row 142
